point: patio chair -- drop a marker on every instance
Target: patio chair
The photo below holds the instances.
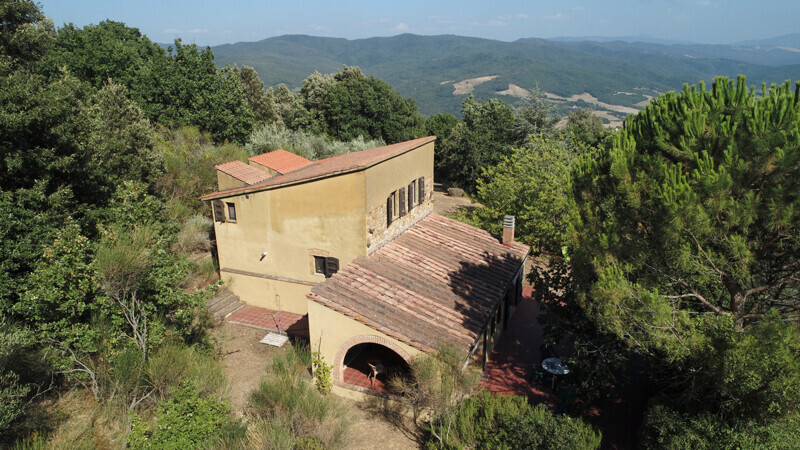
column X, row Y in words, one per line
column 376, row 368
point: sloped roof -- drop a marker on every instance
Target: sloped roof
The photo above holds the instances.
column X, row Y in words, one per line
column 440, row 280
column 335, row 165
column 281, row 161
column 243, row 172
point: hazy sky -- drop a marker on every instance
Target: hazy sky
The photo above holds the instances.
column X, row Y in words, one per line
column 218, row 22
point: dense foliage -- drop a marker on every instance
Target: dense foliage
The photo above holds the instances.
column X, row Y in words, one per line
column 684, row 255
column 509, row 422
column 532, row 183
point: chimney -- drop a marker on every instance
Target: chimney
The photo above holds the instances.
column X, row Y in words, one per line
column 508, row 230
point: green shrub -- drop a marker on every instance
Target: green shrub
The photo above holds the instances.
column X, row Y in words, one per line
column 287, row 401
column 187, row 420
column 174, row 362
column 509, row 422
column 667, row 428
column 310, row 146
column 322, row 373
column 194, row 234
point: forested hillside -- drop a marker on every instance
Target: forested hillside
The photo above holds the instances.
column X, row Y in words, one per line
column 426, row 67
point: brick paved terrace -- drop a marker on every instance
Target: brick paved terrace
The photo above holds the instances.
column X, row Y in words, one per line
column 266, row 319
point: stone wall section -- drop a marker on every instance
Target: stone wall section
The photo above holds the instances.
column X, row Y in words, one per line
column 377, row 231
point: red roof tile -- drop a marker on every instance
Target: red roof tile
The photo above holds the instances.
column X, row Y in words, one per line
column 243, row 172
column 281, row 161
column 440, row 280
column 331, row 166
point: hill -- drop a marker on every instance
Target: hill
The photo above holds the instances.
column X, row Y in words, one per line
column 614, row 76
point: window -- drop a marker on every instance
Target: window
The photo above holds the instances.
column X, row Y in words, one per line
column 392, row 208
column 326, row 266
column 231, row 212
column 411, row 197
column 319, row 265
column 421, row 189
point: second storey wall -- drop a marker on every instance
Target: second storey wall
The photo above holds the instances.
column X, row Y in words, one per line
column 291, row 224
column 390, row 176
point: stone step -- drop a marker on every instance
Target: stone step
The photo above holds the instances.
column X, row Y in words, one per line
column 219, row 306
column 221, row 297
column 224, row 312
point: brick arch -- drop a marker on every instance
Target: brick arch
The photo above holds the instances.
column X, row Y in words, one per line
column 338, row 360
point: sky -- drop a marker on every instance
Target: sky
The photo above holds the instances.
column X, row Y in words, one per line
column 206, row 22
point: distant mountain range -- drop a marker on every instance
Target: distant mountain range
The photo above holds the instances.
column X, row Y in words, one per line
column 615, row 77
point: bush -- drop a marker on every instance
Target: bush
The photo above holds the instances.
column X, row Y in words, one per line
column 439, row 382
column 509, row 422
column 194, row 234
column 187, row 420
column 310, row 146
column 668, row 428
column 287, row 404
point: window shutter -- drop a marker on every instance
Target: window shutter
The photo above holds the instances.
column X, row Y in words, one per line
column 411, row 196
column 402, row 202
column 331, row 266
column 389, row 212
column 421, row 188
column 219, row 210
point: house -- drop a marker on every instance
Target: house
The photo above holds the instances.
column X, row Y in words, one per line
column 352, row 241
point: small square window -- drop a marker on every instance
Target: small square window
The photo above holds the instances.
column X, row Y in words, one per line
column 319, row 265
column 325, row 265
column 231, row 212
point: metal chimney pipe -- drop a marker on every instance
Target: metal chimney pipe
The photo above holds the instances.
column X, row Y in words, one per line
column 508, row 230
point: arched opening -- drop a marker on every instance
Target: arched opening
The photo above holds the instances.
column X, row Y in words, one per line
column 370, row 366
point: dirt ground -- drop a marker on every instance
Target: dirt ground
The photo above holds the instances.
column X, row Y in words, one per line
column 245, row 360
column 445, row 205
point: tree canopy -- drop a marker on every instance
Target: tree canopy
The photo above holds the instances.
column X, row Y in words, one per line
column 686, row 249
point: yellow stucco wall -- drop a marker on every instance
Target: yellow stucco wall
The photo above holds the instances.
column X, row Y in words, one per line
column 225, row 181
column 324, row 216
column 328, row 330
column 266, row 169
column 264, row 293
column 390, row 175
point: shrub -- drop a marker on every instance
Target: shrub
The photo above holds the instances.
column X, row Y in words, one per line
column 307, row 145
column 439, row 382
column 187, row 420
column 508, row 422
column 194, row 235
column 322, row 373
column 287, row 401
column 667, row 428
column 174, row 362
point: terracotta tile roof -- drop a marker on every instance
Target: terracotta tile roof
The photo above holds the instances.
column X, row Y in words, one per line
column 440, row 280
column 336, row 165
column 281, row 161
column 242, row 171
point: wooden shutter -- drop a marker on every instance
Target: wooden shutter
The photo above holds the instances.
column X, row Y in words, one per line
column 389, row 212
column 421, row 189
column 331, row 266
column 219, row 210
column 411, row 196
column 402, row 202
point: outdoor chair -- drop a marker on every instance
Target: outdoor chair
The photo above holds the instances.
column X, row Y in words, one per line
column 376, row 368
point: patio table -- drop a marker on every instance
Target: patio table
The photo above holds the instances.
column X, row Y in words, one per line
column 556, row 367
